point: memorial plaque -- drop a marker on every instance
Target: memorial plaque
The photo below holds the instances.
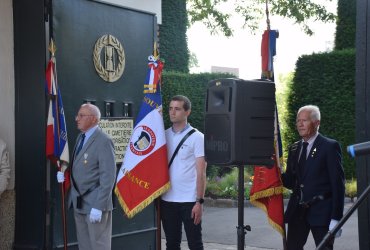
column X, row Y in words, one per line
column 120, row 130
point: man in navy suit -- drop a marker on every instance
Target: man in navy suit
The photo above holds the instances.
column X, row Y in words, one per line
column 315, row 175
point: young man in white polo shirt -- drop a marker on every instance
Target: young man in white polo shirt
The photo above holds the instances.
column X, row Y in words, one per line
column 182, row 204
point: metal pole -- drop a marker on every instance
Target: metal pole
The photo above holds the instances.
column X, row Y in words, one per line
column 159, row 227
column 240, row 227
column 64, row 219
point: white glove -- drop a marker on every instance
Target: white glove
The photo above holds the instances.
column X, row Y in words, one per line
column 333, row 223
column 95, row 215
column 60, row 177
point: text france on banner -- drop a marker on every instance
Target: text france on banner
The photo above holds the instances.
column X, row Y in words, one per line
column 267, row 189
column 56, row 131
column 143, row 175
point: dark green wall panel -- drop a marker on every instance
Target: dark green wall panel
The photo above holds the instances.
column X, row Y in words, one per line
column 76, row 26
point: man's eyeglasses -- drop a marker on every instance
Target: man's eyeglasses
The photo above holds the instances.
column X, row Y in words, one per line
column 80, row 116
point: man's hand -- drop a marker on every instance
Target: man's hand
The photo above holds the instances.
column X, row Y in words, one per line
column 333, row 223
column 196, row 213
column 60, row 177
column 95, row 215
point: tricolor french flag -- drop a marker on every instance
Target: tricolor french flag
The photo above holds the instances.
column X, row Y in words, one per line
column 56, row 131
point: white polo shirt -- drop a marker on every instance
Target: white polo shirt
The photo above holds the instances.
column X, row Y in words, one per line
column 183, row 174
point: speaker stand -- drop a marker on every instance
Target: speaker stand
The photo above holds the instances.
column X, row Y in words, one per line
column 241, row 229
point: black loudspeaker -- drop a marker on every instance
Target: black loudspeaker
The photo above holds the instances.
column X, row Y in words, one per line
column 239, row 122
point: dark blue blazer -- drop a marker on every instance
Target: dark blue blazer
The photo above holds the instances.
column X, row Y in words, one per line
column 323, row 175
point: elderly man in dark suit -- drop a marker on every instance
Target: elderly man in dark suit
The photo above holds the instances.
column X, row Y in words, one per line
column 93, row 173
column 315, row 175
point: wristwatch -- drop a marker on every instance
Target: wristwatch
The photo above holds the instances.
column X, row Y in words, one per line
column 200, row 200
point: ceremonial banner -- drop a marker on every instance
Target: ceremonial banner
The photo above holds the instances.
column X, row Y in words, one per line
column 144, row 172
column 267, row 189
column 56, row 132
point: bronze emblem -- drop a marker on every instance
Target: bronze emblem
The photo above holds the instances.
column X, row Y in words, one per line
column 113, row 58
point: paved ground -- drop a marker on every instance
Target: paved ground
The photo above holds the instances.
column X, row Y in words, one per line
column 219, row 230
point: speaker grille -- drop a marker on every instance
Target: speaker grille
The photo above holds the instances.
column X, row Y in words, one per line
column 219, row 99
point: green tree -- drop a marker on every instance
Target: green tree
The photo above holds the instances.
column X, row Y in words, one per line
column 178, row 15
column 193, row 60
column 213, row 14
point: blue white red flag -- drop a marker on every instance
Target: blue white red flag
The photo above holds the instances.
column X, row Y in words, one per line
column 268, row 51
column 144, row 172
column 56, row 132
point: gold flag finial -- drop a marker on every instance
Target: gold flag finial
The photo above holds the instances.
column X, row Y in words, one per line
column 155, row 51
column 52, row 47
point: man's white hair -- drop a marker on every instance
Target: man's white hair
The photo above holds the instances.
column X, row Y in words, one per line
column 314, row 112
column 93, row 109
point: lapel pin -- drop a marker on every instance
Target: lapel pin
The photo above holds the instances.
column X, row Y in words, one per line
column 313, row 152
column 85, row 157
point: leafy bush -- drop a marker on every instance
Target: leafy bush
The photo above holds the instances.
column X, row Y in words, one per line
column 214, row 171
column 351, row 189
column 226, row 186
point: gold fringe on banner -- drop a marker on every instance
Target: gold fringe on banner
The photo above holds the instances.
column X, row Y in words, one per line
column 131, row 213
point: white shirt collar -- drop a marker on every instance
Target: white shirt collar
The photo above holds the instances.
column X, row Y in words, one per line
column 312, row 139
column 89, row 133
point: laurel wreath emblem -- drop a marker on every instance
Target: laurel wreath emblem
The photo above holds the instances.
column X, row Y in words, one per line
column 99, row 45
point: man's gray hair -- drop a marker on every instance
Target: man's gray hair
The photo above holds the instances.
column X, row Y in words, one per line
column 314, row 112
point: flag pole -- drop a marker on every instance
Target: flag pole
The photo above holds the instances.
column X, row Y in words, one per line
column 271, row 76
column 64, row 217
column 285, row 246
column 158, row 200
column 52, row 49
column 278, row 157
column 159, row 226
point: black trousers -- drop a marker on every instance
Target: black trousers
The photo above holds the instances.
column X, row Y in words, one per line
column 299, row 229
column 173, row 215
